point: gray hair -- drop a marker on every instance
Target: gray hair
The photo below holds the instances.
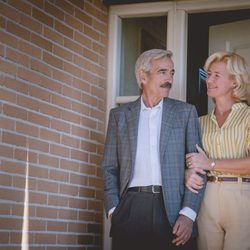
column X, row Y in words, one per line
column 144, row 61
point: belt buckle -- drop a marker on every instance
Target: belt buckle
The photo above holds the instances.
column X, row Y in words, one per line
column 215, row 178
column 153, row 190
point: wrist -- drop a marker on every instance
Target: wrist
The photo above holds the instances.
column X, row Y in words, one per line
column 212, row 165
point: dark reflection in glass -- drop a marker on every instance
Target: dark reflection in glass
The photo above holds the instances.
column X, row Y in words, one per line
column 138, row 35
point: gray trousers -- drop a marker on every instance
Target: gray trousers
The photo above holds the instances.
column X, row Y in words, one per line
column 139, row 222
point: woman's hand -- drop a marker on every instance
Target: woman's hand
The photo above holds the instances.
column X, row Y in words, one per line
column 192, row 180
column 198, row 160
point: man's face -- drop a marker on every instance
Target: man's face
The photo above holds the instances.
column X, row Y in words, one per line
column 157, row 83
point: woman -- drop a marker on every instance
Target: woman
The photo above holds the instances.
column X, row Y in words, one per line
column 224, row 217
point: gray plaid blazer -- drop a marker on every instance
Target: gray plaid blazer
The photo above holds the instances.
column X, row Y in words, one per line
column 179, row 133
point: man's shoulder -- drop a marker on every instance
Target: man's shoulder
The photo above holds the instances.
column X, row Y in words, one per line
column 124, row 107
column 179, row 103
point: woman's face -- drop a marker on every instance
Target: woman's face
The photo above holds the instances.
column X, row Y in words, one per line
column 219, row 82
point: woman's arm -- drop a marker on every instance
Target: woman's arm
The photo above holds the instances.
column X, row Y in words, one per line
column 240, row 166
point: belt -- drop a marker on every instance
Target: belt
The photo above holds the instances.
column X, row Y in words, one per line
column 147, row 189
column 230, row 179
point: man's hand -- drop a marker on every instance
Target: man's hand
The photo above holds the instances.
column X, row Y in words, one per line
column 182, row 230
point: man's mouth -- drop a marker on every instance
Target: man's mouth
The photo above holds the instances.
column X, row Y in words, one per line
column 166, row 85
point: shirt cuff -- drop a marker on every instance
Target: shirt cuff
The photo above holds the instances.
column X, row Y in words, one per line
column 190, row 213
column 111, row 211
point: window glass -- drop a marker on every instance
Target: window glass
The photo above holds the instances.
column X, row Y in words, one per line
column 138, row 35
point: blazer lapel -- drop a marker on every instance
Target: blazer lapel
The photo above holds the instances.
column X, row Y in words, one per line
column 132, row 117
column 166, row 125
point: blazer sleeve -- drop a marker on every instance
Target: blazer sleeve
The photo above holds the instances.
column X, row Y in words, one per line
column 193, row 137
column 110, row 165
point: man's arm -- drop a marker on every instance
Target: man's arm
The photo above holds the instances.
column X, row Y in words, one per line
column 110, row 166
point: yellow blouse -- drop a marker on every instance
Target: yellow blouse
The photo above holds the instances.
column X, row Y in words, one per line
column 230, row 141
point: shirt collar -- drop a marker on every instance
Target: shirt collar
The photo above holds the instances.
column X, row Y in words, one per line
column 144, row 107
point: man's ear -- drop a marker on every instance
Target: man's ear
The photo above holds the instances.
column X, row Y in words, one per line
column 143, row 77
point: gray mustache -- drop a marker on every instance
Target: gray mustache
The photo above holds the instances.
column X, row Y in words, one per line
column 166, row 85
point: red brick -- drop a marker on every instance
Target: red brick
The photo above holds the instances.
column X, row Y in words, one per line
column 20, row 5
column 41, row 67
column 29, row 49
column 5, row 180
column 62, row 53
column 81, row 108
column 53, row 60
column 18, row 30
column 46, row 186
column 62, row 28
column 17, row 57
column 59, row 150
column 38, row 3
column 79, row 155
column 31, row 24
column 8, row 39
column 15, row 85
column 10, row 195
column 83, row 17
column 38, row 145
column 41, row 42
column 62, row 76
column 7, row 96
column 42, row 17
column 9, row 12
column 68, row 190
column 58, row 175
column 53, row 35
column 6, row 151
column 65, row 6
column 14, row 139
column 13, row 111
column 28, row 103
column 72, row 93
column 28, row 75
column 49, row 135
column 71, row 117
column 57, row 226
column 48, row 160
column 2, row 49
column 27, row 129
column 50, row 110
column 61, row 101
column 50, row 84
column 49, row 238
column 70, row 141
column 73, row 22
column 38, row 119
column 12, row 167
column 81, row 84
column 60, row 125
column 68, row 214
column 72, row 69
column 54, row 11
column 2, row 22
column 67, row 239
column 25, row 155
column 68, row 43
column 78, row 179
column 54, row 200
column 39, row 93
column 38, row 198
column 7, row 67
column 69, row 165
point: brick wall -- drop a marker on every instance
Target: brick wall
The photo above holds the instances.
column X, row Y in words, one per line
column 52, row 123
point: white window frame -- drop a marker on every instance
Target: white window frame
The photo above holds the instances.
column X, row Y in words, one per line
column 177, row 27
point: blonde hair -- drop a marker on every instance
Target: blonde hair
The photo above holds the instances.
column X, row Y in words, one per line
column 144, row 61
column 236, row 67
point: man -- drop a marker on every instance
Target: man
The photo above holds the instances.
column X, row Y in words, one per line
column 144, row 163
